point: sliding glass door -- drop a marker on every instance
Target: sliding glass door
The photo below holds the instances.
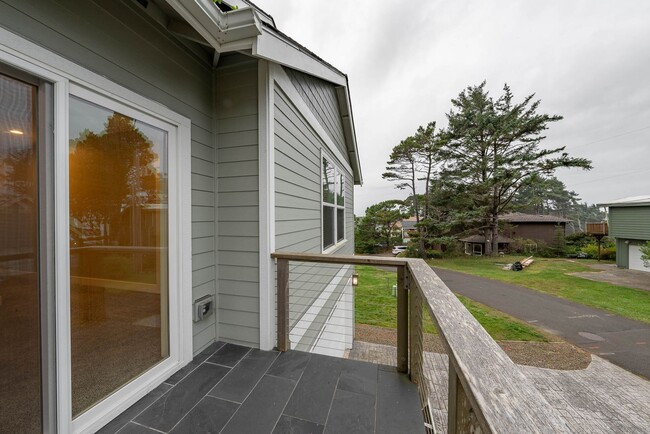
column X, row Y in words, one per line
column 95, row 248
column 118, row 196
column 20, row 313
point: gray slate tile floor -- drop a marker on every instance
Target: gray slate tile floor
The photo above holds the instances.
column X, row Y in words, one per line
column 234, row 389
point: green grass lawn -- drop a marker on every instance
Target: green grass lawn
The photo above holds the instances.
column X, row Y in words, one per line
column 550, row 276
column 375, row 305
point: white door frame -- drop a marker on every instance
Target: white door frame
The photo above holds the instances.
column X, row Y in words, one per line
column 66, row 76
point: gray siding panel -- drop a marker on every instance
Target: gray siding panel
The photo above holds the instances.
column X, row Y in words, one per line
column 321, row 99
column 622, row 253
column 238, row 203
column 630, row 222
column 298, row 218
column 118, row 41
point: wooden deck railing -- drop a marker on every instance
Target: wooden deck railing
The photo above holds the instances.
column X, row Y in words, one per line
column 488, row 393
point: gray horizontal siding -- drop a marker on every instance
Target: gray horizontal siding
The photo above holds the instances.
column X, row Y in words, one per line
column 622, row 253
column 321, row 99
column 630, row 222
column 298, row 216
column 117, row 40
column 238, row 203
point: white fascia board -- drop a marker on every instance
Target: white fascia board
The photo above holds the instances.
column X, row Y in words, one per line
column 273, row 47
column 347, row 119
column 218, row 28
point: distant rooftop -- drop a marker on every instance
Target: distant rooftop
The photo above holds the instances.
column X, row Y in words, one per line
column 629, row 201
column 519, row 217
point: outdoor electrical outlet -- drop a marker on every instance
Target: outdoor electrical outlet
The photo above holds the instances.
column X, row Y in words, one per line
column 203, row 307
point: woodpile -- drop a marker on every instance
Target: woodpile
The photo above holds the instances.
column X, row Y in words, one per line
column 526, row 262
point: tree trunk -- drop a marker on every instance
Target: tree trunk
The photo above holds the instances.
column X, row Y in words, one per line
column 492, row 237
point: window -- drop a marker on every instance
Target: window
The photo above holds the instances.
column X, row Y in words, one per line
column 333, row 205
column 118, row 249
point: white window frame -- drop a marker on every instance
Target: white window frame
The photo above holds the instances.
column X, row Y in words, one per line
column 337, row 172
column 69, row 78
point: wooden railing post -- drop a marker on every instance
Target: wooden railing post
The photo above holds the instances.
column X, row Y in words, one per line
column 283, row 305
column 402, row 320
column 461, row 416
column 416, row 356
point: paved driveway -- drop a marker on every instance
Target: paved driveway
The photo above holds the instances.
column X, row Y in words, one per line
column 622, row 341
column 617, row 276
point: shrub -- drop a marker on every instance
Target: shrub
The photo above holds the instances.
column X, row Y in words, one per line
column 607, row 251
column 433, row 254
column 523, row 246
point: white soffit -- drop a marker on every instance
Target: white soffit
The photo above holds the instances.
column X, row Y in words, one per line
column 218, row 28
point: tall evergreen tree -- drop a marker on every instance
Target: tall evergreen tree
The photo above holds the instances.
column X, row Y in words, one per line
column 493, row 148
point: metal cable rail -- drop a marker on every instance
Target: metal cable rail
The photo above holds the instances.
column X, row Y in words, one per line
column 487, row 392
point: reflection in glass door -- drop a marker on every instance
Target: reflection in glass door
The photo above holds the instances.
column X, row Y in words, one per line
column 118, row 250
column 20, row 355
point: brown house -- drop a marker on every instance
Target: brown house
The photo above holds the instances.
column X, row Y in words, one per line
column 533, row 227
column 540, row 228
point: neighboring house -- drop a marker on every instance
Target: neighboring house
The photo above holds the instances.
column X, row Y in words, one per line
column 533, row 227
column 408, row 228
column 475, row 244
column 124, row 108
column 629, row 224
column 539, row 228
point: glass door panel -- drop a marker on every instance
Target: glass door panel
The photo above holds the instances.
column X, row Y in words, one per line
column 20, row 355
column 118, row 250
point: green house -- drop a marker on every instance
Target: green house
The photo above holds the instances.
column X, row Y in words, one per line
column 629, row 224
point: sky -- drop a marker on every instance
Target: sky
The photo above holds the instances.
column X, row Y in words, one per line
column 588, row 61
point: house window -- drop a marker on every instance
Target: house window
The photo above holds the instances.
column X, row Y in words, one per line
column 333, row 205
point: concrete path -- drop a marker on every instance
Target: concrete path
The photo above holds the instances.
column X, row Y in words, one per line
column 600, row 399
column 622, row 341
column 610, row 273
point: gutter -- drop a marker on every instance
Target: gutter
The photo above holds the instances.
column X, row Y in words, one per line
column 219, row 28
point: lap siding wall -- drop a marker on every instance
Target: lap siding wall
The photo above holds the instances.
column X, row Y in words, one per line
column 117, row 40
column 238, row 202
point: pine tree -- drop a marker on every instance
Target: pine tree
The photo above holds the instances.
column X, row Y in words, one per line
column 494, row 148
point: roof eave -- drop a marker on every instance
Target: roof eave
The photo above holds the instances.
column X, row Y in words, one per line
column 347, row 119
column 222, row 30
column 622, row 204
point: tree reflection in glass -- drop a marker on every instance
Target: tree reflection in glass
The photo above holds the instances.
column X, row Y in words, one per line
column 118, row 250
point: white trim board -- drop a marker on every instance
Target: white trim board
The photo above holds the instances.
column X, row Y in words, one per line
column 284, row 83
column 272, row 47
column 266, row 148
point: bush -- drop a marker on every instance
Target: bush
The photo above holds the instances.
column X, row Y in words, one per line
column 579, row 240
column 433, row 254
column 607, row 251
column 523, row 246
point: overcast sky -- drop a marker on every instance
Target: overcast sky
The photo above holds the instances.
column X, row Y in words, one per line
column 588, row 61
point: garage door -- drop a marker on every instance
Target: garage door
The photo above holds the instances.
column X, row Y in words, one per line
column 635, row 259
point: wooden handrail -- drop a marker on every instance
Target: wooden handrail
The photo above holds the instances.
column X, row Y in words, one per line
column 488, row 392
column 501, row 397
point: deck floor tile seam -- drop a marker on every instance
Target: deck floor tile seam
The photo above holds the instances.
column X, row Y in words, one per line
column 198, row 402
column 329, row 410
column 139, row 424
column 249, row 393
column 290, row 396
column 253, row 388
column 376, row 397
column 145, row 409
column 203, row 397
